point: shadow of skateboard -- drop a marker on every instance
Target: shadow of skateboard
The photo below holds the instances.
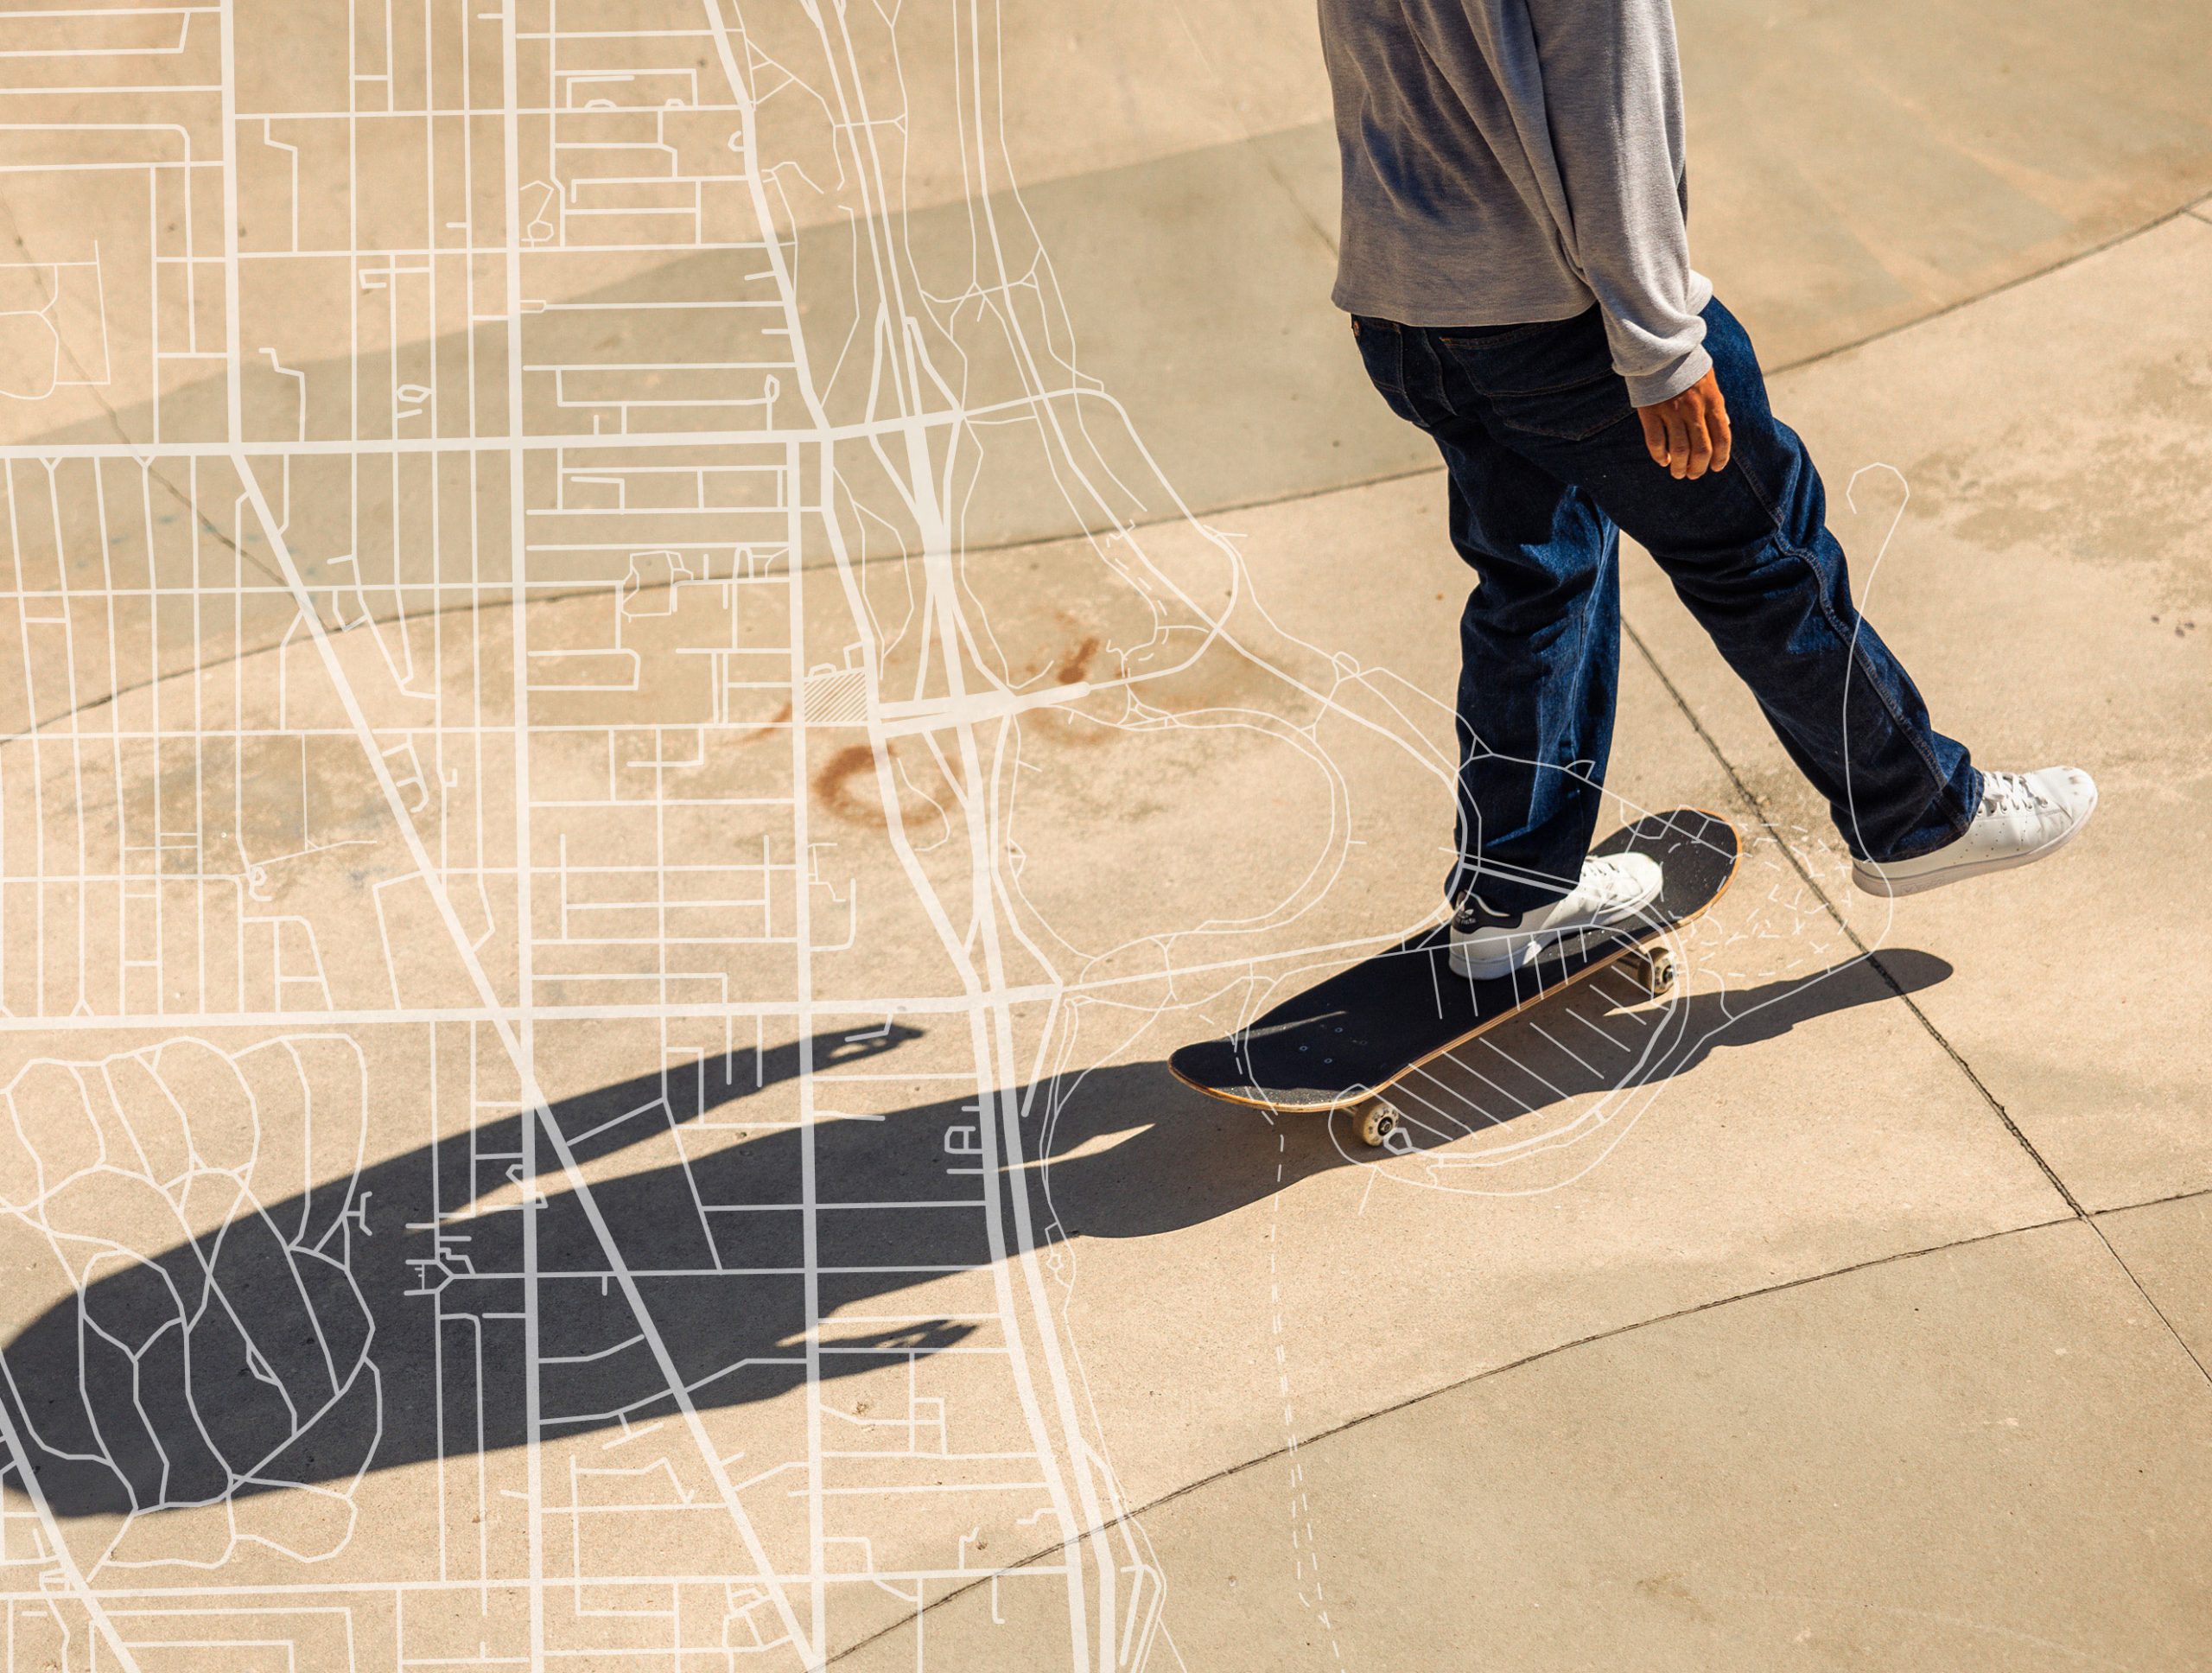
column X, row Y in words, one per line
column 1342, row 1043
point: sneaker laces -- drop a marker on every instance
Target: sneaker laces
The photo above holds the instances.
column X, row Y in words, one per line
column 2014, row 792
column 1614, row 884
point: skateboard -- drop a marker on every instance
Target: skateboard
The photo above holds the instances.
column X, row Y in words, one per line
column 1343, row 1043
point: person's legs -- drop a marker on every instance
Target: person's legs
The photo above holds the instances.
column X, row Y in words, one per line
column 1539, row 645
column 1539, row 666
column 1748, row 552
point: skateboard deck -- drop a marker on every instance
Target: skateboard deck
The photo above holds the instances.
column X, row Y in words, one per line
column 1342, row 1043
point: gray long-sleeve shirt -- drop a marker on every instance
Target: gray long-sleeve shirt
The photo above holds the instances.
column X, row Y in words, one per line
column 1509, row 161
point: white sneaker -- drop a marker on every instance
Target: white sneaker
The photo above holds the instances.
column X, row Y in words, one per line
column 1612, row 889
column 2023, row 817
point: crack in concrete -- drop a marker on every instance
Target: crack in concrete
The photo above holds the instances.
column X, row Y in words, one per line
column 2202, row 211
column 2076, row 1212
column 1617, row 1331
column 1874, row 960
column 115, row 424
column 1425, row 1396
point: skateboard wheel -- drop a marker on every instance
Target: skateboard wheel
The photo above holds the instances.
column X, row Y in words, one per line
column 1378, row 1120
column 1652, row 971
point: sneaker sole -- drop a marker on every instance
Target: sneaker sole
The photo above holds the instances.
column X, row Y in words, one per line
column 1871, row 883
column 1533, row 952
column 1491, row 972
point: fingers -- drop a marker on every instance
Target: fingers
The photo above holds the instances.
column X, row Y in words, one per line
column 1689, row 434
column 1678, row 439
column 1697, row 456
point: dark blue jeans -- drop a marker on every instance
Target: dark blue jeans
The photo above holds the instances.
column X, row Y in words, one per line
column 1547, row 466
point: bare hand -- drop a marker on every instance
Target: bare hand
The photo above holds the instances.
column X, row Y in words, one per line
column 1689, row 434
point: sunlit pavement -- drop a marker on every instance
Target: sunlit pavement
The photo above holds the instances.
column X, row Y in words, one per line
column 933, row 668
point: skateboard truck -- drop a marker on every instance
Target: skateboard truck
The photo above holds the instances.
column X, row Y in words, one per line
column 1339, row 1046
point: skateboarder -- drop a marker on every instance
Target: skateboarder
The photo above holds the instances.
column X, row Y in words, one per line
column 1516, row 261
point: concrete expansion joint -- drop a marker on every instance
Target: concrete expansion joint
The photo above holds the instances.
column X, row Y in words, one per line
column 2201, row 210
column 588, row 1151
column 1594, row 1338
column 1753, row 800
column 1950, row 1050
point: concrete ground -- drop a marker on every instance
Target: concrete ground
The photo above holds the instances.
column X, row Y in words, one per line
column 595, row 885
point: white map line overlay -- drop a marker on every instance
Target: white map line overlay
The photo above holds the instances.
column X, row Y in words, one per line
column 555, row 1069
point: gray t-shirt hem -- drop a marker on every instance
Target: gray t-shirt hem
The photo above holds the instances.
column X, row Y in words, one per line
column 1456, row 309
column 1648, row 389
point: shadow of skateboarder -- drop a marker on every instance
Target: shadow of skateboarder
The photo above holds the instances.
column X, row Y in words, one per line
column 289, row 1346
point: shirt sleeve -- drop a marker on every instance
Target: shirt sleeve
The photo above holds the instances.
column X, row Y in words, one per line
column 1611, row 92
